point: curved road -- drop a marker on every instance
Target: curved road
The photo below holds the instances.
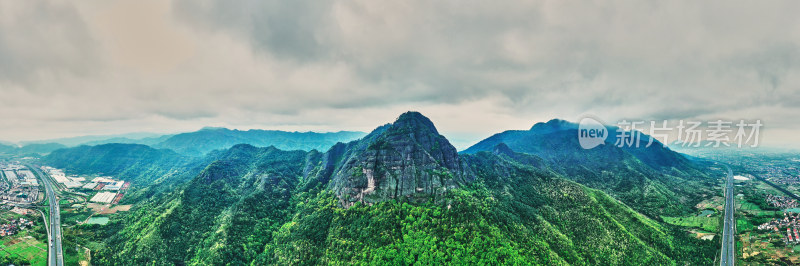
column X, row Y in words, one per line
column 55, row 257
column 729, row 227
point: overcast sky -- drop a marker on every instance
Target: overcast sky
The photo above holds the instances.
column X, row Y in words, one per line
column 70, row 68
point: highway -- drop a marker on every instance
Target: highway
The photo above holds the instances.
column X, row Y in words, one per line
column 55, row 256
column 729, row 227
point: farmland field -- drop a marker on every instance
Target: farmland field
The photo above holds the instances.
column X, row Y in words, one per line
column 24, row 247
column 710, row 224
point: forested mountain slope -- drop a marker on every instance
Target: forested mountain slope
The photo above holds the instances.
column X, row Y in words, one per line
column 141, row 165
column 268, row 206
column 654, row 180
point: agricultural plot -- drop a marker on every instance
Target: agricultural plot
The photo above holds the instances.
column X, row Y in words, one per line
column 715, row 202
column 748, row 208
column 769, row 244
column 26, row 248
column 710, row 224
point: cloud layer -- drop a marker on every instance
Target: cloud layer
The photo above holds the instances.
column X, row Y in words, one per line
column 475, row 67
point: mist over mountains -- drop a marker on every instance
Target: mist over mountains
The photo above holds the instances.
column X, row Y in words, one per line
column 197, row 143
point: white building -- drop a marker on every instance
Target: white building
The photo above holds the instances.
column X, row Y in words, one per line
column 114, row 186
column 104, row 197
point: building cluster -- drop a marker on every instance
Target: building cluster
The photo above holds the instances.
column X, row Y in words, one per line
column 780, row 172
column 787, row 180
column 778, row 168
column 790, row 221
column 19, row 185
column 781, row 202
column 13, row 226
column 20, row 175
column 790, row 233
column 109, row 189
column 59, row 176
column 112, row 190
column 105, row 183
column 103, row 197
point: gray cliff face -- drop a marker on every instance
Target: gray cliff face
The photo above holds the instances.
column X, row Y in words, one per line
column 405, row 159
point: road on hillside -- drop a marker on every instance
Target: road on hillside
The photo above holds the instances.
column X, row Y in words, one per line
column 729, row 227
column 55, row 256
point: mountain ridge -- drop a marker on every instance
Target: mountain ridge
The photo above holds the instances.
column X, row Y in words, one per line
column 265, row 206
column 201, row 142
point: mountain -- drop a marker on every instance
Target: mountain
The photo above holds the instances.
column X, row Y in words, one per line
column 232, row 205
column 142, row 165
column 137, row 138
column 407, row 158
column 654, row 180
column 7, row 148
column 30, row 149
column 400, row 195
column 208, row 139
column 39, row 148
column 557, row 140
column 149, row 141
column 196, row 143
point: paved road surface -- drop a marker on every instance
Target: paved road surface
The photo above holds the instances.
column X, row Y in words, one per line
column 729, row 229
column 55, row 256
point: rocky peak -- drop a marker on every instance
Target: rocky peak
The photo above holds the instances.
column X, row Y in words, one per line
column 407, row 158
column 415, row 121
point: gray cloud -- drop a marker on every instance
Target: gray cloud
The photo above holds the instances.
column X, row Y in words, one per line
column 356, row 64
column 43, row 38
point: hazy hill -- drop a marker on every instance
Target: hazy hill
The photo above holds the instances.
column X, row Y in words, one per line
column 7, row 148
column 30, row 149
column 150, row 141
column 134, row 138
column 208, row 139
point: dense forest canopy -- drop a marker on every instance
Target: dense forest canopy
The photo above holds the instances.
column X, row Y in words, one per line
column 400, row 195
